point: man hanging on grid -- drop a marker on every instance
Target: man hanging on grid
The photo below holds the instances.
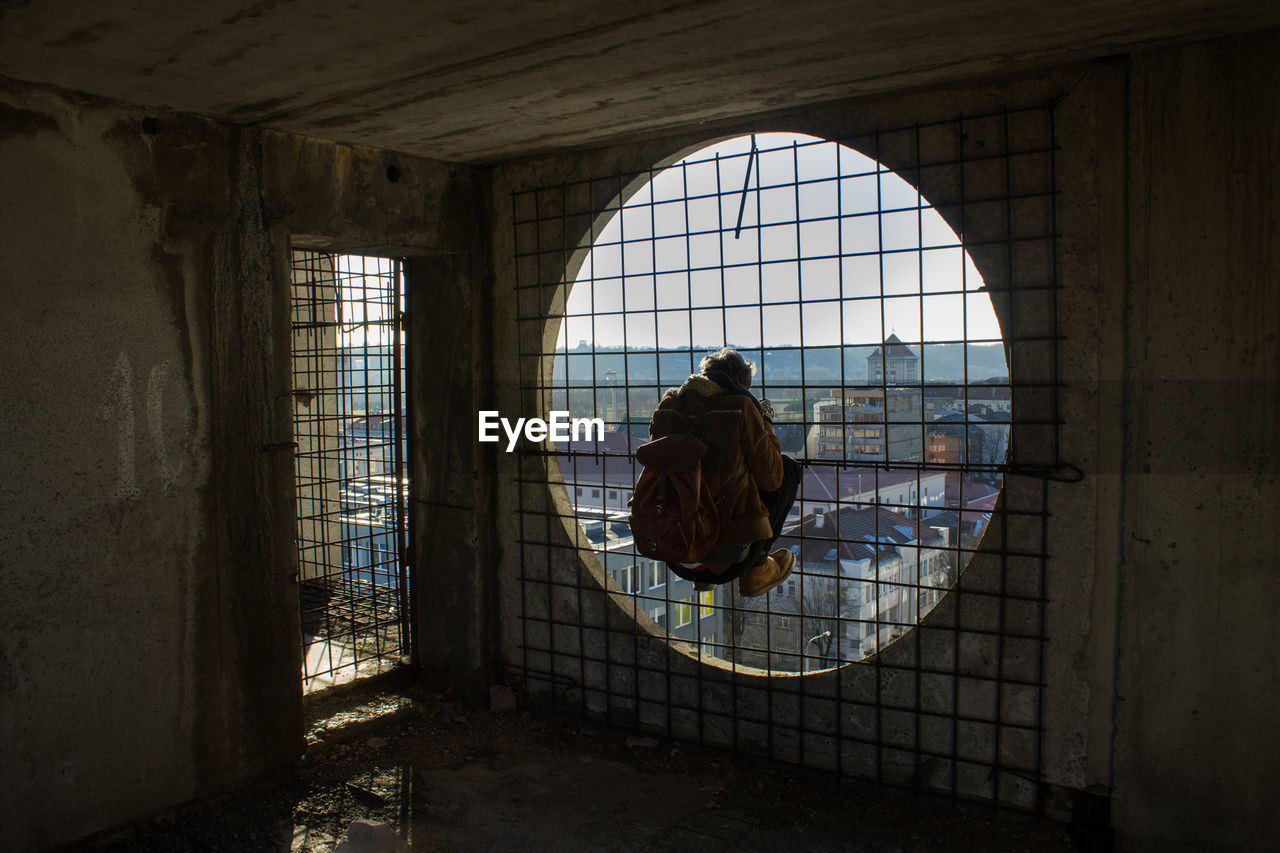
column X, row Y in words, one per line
column 718, row 406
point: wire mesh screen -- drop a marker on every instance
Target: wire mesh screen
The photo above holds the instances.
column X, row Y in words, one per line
column 349, row 404
column 897, row 293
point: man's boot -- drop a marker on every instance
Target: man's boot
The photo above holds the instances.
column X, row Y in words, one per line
column 767, row 574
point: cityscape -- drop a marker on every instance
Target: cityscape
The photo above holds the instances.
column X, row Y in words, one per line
column 873, row 341
column 900, row 479
column 349, row 477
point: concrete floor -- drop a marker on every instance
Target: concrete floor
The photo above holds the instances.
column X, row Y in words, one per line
column 445, row 778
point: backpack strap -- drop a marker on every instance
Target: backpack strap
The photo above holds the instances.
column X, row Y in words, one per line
column 673, row 452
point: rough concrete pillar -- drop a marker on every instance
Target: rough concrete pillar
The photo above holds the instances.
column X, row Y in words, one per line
column 1199, row 643
column 316, row 402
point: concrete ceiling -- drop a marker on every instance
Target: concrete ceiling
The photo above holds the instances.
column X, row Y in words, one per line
column 490, row 80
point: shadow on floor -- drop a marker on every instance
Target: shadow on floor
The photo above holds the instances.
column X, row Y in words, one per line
column 443, row 778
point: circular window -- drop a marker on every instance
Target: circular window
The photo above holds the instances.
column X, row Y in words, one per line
column 871, row 336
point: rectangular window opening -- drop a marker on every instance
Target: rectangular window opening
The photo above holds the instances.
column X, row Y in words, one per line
column 350, row 474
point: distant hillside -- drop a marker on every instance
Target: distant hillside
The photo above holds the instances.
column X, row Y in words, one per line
column 782, row 366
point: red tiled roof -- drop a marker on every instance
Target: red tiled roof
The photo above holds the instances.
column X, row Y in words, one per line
column 820, row 481
column 855, row 532
column 976, row 495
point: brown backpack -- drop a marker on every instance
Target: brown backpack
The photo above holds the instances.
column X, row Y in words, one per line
column 674, row 516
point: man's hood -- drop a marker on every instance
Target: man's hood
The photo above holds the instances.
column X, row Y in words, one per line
column 699, row 384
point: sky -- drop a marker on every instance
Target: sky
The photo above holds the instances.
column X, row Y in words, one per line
column 668, row 270
column 367, row 306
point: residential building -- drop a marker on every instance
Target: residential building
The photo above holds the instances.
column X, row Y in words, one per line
column 863, row 577
column 823, row 488
column 893, row 363
column 671, row 601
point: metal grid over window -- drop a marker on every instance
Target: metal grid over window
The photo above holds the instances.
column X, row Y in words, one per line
column 927, row 438
column 349, row 405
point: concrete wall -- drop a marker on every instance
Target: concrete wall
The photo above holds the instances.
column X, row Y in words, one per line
column 148, row 652
column 957, row 648
column 1161, row 667
column 1196, row 734
column 149, row 633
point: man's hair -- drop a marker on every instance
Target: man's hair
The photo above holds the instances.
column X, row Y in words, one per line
column 731, row 362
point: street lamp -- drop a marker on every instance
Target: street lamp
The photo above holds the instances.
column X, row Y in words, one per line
column 825, row 635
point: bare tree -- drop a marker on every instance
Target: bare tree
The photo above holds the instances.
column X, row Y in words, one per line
column 819, row 626
column 992, row 446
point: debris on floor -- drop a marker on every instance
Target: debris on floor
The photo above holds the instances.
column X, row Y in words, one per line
column 501, row 698
column 393, row 772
